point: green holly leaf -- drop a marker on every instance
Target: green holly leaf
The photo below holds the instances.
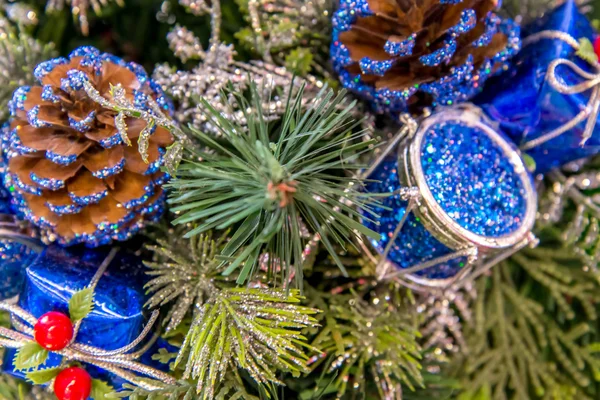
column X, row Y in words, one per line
column 41, row 376
column 100, row 389
column 586, row 51
column 81, row 304
column 32, row 355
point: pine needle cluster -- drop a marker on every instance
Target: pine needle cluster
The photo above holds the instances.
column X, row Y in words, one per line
column 266, row 181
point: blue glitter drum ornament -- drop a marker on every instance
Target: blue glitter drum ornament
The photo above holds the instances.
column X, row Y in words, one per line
column 461, row 198
column 406, row 55
column 116, row 321
column 78, row 166
column 548, row 103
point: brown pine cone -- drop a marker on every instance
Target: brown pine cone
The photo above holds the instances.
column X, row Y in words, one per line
column 408, row 54
column 68, row 166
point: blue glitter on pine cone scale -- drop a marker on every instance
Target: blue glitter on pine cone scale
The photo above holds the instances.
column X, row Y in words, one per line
column 68, row 168
column 396, row 71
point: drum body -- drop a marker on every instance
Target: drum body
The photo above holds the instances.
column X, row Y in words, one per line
column 459, row 194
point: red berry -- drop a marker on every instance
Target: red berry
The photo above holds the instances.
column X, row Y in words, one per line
column 53, row 331
column 597, row 47
column 73, row 384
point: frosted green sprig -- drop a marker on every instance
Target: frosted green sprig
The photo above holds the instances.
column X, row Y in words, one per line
column 257, row 330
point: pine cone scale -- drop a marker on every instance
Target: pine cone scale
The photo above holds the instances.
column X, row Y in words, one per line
column 411, row 54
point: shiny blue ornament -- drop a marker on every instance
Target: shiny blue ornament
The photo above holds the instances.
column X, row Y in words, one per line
column 528, row 107
column 117, row 317
column 377, row 79
column 469, row 190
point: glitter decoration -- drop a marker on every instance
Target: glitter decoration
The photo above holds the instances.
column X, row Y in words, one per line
column 86, row 164
column 468, row 177
column 414, row 244
column 491, row 200
column 435, row 64
column 402, row 48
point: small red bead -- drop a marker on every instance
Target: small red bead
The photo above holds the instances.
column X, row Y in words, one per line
column 53, row 331
column 73, row 384
column 597, row 47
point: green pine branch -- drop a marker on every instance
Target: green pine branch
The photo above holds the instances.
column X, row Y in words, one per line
column 369, row 341
column 526, row 340
column 19, row 55
column 268, row 181
column 183, row 273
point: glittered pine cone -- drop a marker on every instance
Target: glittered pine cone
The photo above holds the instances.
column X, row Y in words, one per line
column 68, row 165
column 403, row 55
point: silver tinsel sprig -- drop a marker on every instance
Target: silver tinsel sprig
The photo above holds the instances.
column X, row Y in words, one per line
column 208, row 81
column 182, row 273
column 442, row 315
column 570, row 198
column 217, row 71
column 21, row 14
column 80, row 9
column 257, row 330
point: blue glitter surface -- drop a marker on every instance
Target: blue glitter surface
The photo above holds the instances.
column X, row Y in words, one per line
column 471, row 179
column 87, row 200
column 111, row 141
column 61, row 159
column 47, row 183
column 402, row 48
column 18, row 99
column 110, row 171
column 33, row 118
column 442, row 55
column 64, row 209
column 414, row 243
column 85, row 124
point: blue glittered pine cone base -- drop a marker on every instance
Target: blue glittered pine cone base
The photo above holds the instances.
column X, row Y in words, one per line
column 73, row 164
column 117, row 317
column 527, row 106
column 391, row 54
column 474, row 193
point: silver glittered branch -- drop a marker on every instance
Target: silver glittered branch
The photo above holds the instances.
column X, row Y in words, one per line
column 574, row 187
column 209, row 81
column 186, row 45
column 154, row 117
column 443, row 313
column 278, row 25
